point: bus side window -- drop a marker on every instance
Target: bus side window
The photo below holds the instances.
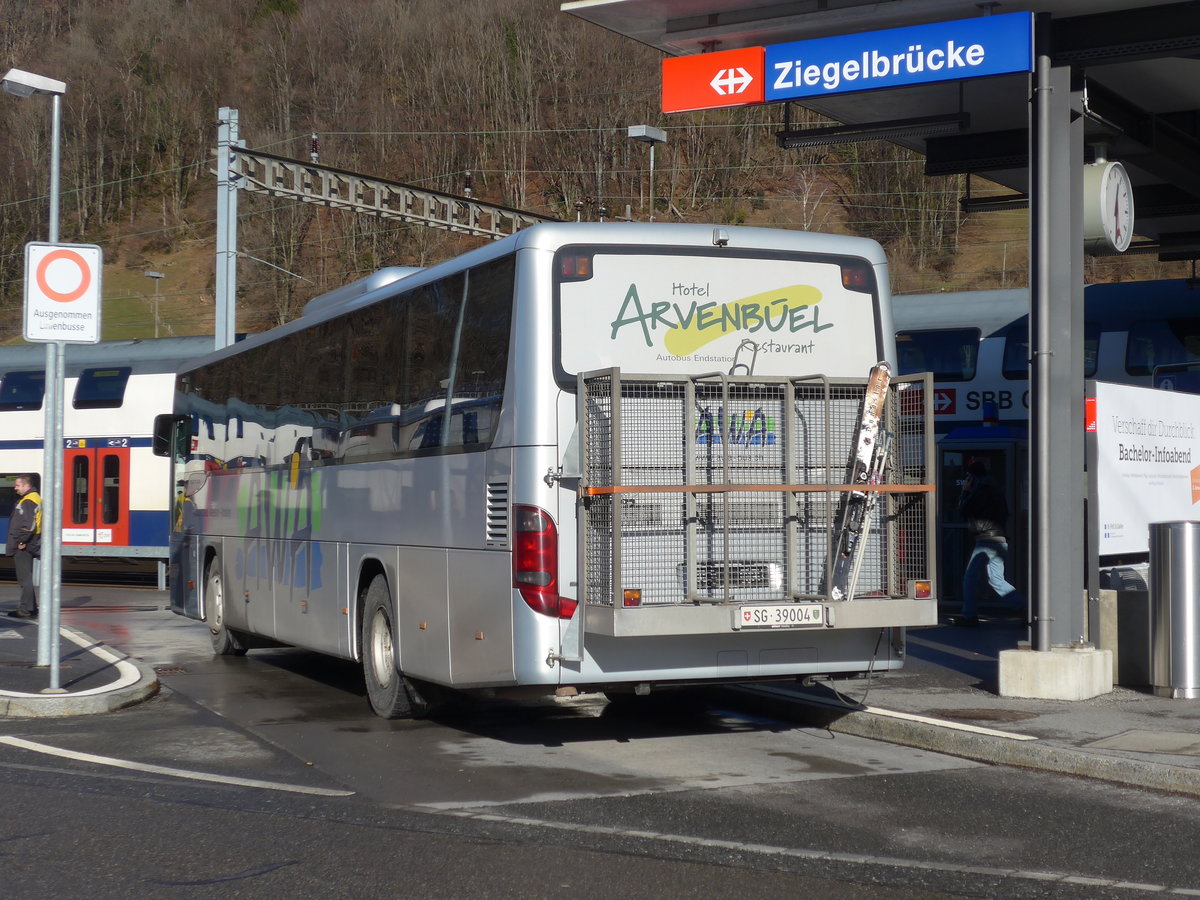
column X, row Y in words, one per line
column 483, row 353
column 432, row 322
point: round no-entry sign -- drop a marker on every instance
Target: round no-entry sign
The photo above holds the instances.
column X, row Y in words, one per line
column 62, row 292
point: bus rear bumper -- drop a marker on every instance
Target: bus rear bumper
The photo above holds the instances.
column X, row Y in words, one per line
column 651, row 621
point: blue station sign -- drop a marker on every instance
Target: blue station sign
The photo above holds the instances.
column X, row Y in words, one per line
column 898, row 57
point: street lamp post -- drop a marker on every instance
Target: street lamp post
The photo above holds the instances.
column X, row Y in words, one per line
column 158, row 277
column 648, row 134
column 26, row 84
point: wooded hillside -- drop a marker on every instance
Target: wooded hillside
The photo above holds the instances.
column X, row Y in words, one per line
column 532, row 102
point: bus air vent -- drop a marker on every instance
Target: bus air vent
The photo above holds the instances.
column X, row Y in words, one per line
column 497, row 514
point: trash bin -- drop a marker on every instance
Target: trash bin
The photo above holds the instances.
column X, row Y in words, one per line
column 1175, row 609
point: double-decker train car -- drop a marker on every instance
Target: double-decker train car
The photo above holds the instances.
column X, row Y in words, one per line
column 116, row 495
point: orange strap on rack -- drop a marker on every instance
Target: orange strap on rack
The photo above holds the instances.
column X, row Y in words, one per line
column 758, row 488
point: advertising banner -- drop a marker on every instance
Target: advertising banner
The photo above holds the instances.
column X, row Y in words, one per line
column 1147, row 459
column 685, row 314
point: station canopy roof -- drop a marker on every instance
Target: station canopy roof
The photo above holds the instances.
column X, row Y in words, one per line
column 1139, row 63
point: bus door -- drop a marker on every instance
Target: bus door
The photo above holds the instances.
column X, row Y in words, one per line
column 96, row 492
column 1004, row 451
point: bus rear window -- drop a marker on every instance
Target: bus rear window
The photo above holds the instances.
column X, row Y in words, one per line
column 690, row 310
column 22, row 390
column 101, row 388
column 949, row 353
column 1162, row 342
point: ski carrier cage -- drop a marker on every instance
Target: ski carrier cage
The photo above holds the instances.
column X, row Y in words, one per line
column 704, row 498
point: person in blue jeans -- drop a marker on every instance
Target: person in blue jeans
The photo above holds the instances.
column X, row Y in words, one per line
column 986, row 514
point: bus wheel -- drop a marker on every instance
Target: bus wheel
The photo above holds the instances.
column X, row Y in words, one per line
column 225, row 641
column 387, row 688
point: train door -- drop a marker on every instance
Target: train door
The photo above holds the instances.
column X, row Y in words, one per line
column 96, row 494
column 1005, row 453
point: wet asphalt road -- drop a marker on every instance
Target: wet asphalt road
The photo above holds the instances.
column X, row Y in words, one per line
column 305, row 791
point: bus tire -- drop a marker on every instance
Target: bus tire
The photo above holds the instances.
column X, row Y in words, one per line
column 387, row 688
column 225, row 641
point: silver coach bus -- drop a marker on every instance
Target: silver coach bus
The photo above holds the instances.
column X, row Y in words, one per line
column 614, row 457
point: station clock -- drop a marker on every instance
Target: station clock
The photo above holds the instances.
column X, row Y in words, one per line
column 1107, row 208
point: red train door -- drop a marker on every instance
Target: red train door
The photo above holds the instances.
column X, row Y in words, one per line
column 96, row 494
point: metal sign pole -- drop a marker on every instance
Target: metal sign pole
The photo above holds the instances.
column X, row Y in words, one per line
column 52, row 515
column 53, row 452
column 48, row 646
column 45, row 565
column 58, row 276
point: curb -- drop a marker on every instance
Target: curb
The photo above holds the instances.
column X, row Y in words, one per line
column 133, row 683
column 978, row 744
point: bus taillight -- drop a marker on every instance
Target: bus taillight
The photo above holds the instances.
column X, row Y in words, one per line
column 858, row 276
column 535, row 562
column 920, row 589
column 575, row 268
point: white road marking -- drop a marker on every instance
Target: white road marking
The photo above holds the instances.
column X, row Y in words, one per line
column 831, row 856
column 909, row 717
column 127, row 673
column 943, row 723
column 164, row 770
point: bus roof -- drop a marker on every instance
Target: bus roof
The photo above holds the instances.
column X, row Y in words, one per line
column 550, row 236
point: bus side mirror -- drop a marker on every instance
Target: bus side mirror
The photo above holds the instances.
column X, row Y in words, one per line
column 161, row 444
column 172, row 437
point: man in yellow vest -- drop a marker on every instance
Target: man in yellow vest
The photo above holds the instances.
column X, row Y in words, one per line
column 25, row 542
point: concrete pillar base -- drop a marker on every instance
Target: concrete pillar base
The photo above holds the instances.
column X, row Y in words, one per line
column 1063, row 673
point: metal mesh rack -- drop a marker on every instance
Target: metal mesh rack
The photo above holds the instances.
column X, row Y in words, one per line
column 728, row 489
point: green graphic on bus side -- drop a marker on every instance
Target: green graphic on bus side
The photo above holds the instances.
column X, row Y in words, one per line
column 280, row 513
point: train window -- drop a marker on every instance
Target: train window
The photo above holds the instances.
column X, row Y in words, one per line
column 8, row 494
column 80, row 490
column 1162, row 342
column 110, row 491
column 1015, row 365
column 949, row 353
column 101, row 388
column 22, row 390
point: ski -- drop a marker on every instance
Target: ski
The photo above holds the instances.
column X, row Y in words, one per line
column 866, row 467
